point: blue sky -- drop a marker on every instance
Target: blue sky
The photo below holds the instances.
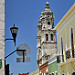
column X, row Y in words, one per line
column 25, row 15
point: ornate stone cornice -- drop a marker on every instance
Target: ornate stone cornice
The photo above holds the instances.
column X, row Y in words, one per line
column 45, row 42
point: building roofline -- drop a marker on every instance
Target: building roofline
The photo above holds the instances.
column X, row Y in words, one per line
column 65, row 16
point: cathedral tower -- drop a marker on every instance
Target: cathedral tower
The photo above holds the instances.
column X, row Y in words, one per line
column 46, row 36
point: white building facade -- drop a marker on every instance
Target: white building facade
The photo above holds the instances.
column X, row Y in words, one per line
column 2, row 37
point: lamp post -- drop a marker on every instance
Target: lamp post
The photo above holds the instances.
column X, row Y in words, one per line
column 14, row 33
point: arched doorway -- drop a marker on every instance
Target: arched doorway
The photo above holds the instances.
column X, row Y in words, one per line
column 73, row 73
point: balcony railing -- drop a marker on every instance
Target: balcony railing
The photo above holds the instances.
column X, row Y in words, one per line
column 60, row 58
column 70, row 54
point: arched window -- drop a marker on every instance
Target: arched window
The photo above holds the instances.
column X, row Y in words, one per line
column 48, row 23
column 46, row 37
column 56, row 73
column 72, row 43
column 62, row 49
column 52, row 73
column 51, row 37
column 63, row 73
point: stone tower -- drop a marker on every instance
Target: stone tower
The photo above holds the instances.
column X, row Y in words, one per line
column 46, row 36
column 2, row 35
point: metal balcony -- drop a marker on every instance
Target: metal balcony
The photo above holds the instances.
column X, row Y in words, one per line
column 60, row 58
column 70, row 54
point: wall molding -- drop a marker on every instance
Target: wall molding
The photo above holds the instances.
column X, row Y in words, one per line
column 65, row 23
column 52, row 60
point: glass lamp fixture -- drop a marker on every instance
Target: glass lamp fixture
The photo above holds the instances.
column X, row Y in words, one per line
column 14, row 32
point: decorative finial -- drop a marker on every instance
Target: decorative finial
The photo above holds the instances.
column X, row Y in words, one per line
column 13, row 25
column 47, row 5
column 47, row 2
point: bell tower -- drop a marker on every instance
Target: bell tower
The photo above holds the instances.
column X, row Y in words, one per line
column 46, row 36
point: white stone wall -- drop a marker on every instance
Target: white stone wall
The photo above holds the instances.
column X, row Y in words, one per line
column 43, row 37
column 48, row 49
column 2, row 35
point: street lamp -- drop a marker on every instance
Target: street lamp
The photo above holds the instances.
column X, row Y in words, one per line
column 14, row 33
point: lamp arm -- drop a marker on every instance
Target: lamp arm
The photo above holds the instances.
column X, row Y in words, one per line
column 8, row 39
column 10, row 54
column 12, row 39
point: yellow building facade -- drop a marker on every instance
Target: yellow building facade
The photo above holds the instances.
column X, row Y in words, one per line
column 66, row 43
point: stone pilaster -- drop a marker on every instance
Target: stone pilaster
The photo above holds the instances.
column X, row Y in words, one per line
column 2, row 35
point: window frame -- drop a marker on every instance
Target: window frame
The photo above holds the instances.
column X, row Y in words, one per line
column 56, row 72
column 63, row 73
column 52, row 72
column 46, row 37
column 48, row 23
column 51, row 37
